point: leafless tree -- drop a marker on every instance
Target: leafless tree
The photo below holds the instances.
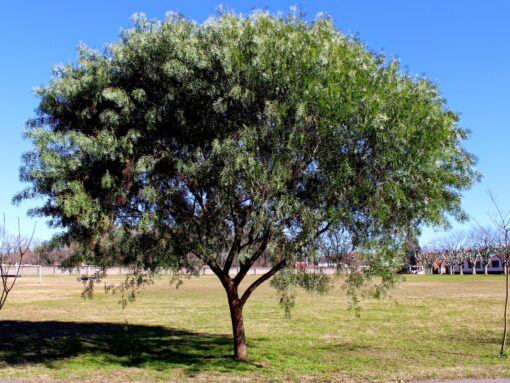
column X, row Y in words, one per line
column 12, row 252
column 501, row 221
column 426, row 258
column 485, row 242
column 435, row 255
column 55, row 256
column 454, row 248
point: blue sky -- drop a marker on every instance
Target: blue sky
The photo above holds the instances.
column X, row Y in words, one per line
column 461, row 45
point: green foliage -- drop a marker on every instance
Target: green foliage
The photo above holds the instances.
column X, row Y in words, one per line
column 286, row 281
column 381, row 260
column 130, row 287
column 184, row 144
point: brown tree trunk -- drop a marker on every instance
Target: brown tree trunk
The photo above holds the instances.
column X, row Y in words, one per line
column 236, row 315
column 236, row 303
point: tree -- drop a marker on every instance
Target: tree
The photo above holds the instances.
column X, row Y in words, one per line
column 501, row 222
column 485, row 242
column 435, row 255
column 453, row 247
column 335, row 247
column 54, row 255
column 12, row 253
column 426, row 258
column 186, row 144
column 412, row 248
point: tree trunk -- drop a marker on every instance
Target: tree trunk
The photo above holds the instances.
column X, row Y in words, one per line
column 503, row 342
column 236, row 315
column 486, row 269
column 461, row 268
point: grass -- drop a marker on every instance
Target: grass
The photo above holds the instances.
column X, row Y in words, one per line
column 433, row 327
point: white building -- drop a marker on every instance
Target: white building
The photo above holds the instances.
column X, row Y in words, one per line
column 495, row 267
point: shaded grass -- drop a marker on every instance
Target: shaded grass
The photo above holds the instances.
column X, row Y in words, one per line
column 155, row 347
column 432, row 327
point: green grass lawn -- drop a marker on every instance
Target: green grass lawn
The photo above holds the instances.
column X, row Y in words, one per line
column 432, row 327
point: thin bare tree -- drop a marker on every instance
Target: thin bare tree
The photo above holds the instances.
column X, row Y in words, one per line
column 12, row 253
column 501, row 221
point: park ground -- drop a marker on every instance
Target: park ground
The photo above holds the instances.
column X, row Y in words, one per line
column 432, row 327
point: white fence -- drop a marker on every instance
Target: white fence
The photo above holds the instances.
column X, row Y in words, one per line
column 26, row 270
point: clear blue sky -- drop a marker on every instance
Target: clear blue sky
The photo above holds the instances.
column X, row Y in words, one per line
column 464, row 46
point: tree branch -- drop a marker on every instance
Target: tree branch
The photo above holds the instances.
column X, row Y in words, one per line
column 245, row 267
column 236, row 242
column 222, row 276
column 250, row 239
column 261, row 280
column 315, row 236
column 6, row 287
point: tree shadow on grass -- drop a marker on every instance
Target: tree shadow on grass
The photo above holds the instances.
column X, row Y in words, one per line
column 152, row 347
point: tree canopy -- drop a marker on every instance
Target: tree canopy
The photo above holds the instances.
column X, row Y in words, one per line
column 185, row 144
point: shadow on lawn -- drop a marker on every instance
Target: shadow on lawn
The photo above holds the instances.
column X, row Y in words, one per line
column 152, row 347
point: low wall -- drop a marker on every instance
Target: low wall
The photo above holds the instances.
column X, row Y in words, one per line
column 88, row 270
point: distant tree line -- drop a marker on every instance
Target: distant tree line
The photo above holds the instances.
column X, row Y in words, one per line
column 477, row 247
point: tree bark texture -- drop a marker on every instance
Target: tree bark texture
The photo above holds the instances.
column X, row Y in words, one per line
column 236, row 315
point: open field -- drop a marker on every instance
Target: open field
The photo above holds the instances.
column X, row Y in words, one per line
column 433, row 327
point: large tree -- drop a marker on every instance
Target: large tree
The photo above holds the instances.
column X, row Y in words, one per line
column 186, row 144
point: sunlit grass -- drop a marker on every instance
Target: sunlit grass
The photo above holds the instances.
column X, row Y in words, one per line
column 432, row 327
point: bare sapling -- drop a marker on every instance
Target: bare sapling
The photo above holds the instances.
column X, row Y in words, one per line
column 12, row 252
column 501, row 222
